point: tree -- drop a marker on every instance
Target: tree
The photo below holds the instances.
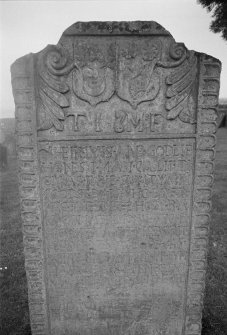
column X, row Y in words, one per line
column 219, row 13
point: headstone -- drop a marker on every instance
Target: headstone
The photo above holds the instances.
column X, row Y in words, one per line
column 115, row 133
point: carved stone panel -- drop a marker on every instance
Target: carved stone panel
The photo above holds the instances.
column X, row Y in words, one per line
column 115, row 132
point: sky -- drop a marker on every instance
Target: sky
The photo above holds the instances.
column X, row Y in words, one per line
column 28, row 26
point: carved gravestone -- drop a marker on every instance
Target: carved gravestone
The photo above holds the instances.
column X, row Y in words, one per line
column 115, row 133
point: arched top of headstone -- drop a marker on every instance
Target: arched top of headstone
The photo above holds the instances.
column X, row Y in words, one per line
column 116, row 28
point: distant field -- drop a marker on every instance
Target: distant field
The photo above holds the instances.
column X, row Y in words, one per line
column 223, row 100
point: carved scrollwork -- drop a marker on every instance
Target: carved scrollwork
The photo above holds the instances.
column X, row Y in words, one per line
column 57, row 62
column 132, row 70
column 52, row 87
column 177, row 51
column 179, row 93
column 177, row 54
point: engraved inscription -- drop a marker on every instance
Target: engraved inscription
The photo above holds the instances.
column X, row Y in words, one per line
column 117, row 223
column 117, row 120
column 144, row 122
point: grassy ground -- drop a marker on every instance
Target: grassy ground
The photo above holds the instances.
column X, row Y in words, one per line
column 215, row 304
column 14, row 306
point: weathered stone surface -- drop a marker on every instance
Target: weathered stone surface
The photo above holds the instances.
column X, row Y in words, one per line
column 115, row 132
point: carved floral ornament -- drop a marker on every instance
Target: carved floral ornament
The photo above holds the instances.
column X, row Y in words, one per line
column 130, row 71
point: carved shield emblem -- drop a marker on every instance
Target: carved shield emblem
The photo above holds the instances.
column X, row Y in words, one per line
column 138, row 77
column 93, row 78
